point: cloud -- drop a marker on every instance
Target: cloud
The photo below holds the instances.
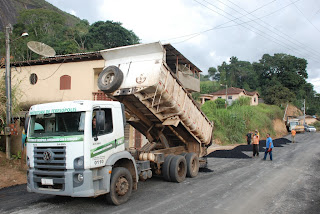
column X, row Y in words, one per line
column 286, row 30
column 72, row 12
column 316, row 83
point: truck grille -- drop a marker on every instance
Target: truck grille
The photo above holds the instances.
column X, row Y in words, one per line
column 49, row 164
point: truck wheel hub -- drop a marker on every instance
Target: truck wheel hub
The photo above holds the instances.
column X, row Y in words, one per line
column 108, row 79
column 122, row 186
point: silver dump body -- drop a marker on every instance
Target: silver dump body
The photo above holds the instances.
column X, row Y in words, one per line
column 157, row 103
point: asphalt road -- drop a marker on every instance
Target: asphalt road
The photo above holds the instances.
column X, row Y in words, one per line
column 233, row 183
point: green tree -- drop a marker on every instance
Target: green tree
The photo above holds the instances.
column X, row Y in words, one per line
column 79, row 33
column 15, row 97
column 208, row 87
column 220, row 103
column 242, row 101
column 213, row 74
column 204, row 77
column 238, row 74
column 109, row 34
column 278, row 94
column 289, row 70
column 42, row 22
column 44, row 26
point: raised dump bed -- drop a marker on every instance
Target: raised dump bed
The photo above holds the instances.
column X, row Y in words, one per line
column 157, row 103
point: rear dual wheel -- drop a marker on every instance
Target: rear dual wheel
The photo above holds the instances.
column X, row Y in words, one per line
column 192, row 165
column 178, row 169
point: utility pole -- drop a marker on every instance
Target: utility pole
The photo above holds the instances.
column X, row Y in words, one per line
column 304, row 111
column 226, row 96
column 8, row 91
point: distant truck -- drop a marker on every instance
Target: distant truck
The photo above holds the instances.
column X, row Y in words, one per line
column 294, row 123
column 80, row 150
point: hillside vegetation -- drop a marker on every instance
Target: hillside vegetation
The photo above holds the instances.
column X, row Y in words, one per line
column 65, row 33
column 10, row 10
column 232, row 124
column 280, row 79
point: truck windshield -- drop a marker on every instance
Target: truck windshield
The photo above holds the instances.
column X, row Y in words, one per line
column 58, row 124
column 294, row 123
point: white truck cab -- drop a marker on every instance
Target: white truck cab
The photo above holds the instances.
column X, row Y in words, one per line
column 67, row 155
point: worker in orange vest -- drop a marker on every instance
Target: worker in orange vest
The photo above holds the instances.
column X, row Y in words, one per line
column 293, row 134
column 255, row 144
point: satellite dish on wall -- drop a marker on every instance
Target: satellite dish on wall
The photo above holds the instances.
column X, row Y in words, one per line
column 41, row 49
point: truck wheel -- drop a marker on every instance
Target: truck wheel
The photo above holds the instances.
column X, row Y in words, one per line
column 178, row 169
column 166, row 168
column 192, row 165
column 120, row 186
column 110, row 79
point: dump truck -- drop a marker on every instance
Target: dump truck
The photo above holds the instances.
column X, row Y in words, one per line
column 78, row 148
column 293, row 123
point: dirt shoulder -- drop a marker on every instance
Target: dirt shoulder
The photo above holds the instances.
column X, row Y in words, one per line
column 11, row 172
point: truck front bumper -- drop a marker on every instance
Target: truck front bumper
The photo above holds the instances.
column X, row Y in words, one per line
column 67, row 184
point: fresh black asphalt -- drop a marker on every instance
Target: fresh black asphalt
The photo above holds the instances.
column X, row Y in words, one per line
column 233, row 183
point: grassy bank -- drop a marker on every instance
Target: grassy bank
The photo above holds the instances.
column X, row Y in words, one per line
column 231, row 125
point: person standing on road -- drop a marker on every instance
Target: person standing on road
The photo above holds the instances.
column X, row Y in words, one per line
column 293, row 135
column 249, row 137
column 269, row 146
column 256, row 131
column 255, row 144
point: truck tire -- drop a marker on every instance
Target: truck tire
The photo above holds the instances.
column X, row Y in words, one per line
column 166, row 168
column 178, row 169
column 120, row 186
column 192, row 165
column 110, row 79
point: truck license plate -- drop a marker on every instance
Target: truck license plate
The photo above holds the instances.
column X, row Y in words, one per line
column 46, row 181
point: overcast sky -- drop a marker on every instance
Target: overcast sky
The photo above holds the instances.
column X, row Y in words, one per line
column 246, row 29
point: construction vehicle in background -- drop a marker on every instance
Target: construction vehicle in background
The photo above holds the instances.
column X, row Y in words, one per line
column 295, row 123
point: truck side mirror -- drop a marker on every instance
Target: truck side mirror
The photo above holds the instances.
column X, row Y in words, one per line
column 100, row 121
column 26, row 124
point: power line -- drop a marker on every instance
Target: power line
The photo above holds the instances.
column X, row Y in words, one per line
column 305, row 17
column 294, row 41
column 275, row 40
column 218, row 26
column 54, row 71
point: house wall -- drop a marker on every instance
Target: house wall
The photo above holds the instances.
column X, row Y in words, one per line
column 230, row 101
column 47, row 88
column 254, row 99
column 189, row 82
column 83, row 75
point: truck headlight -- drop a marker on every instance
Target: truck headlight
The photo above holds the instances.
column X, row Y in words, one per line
column 80, row 177
column 78, row 163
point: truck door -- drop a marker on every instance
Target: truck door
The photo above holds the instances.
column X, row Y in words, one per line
column 106, row 142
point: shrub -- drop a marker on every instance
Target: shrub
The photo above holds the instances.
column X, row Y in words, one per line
column 231, row 125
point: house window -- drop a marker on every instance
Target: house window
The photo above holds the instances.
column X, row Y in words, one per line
column 33, row 79
column 229, row 97
column 255, row 100
column 65, row 82
column 220, row 97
